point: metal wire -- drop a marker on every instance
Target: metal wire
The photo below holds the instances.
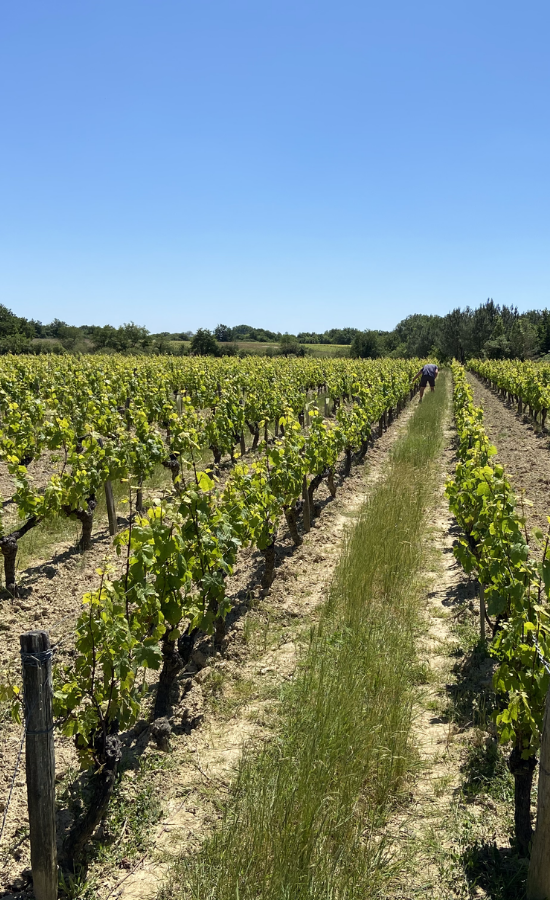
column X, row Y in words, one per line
column 36, row 659
column 540, row 654
column 14, row 776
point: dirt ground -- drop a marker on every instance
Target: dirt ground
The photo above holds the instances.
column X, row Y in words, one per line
column 523, row 450
column 221, row 702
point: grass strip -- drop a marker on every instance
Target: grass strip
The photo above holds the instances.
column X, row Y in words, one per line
column 305, row 814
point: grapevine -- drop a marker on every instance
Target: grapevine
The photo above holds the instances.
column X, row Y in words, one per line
column 517, row 587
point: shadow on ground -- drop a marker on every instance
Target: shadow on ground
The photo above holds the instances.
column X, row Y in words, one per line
column 498, row 872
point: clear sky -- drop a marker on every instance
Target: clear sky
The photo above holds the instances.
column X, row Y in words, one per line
column 290, row 164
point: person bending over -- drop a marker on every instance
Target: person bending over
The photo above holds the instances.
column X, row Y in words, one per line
column 429, row 373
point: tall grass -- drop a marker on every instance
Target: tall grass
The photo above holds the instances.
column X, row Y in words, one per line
column 305, row 815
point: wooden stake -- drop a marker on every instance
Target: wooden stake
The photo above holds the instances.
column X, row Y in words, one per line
column 40, row 761
column 538, row 878
column 111, row 508
column 482, row 612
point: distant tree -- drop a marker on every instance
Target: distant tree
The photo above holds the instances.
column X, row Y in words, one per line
column 131, row 336
column 104, row 337
column 524, row 339
column 204, row 343
column 248, row 333
column 290, row 346
column 12, row 324
column 15, row 343
column 56, row 328
column 452, row 338
column 339, row 335
column 413, row 336
column 127, row 338
column 498, row 346
column 223, row 333
column 228, row 349
column 366, row 345
column 543, row 331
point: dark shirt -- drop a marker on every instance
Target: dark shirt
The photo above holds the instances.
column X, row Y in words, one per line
column 430, row 369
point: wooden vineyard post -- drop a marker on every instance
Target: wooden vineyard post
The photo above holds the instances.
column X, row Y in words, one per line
column 111, row 508
column 482, row 612
column 36, row 659
column 538, row 878
column 326, row 408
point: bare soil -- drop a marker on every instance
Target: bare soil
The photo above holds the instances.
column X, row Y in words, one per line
column 221, row 702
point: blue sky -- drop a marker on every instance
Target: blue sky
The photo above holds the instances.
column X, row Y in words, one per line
column 292, row 165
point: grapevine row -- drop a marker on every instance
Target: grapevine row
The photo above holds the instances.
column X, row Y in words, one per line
column 525, row 383
column 516, row 588
column 109, row 419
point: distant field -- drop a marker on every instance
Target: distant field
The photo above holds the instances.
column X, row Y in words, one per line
column 258, row 347
column 317, row 349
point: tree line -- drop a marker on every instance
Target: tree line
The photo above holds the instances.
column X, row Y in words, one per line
column 490, row 331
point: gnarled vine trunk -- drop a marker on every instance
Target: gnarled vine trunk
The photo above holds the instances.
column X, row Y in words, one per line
column 347, row 465
column 86, row 518
column 291, row 521
column 217, row 456
column 9, row 546
column 313, row 485
column 269, row 570
column 254, row 430
column 173, row 466
column 103, row 782
column 172, row 664
column 186, row 644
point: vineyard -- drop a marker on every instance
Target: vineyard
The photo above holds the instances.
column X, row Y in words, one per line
column 525, row 383
column 82, row 426
column 211, row 460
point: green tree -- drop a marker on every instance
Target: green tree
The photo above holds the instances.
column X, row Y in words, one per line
column 223, row 333
column 366, row 345
column 204, row 343
column 289, row 346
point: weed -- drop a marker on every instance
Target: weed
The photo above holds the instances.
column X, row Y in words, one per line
column 485, row 770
